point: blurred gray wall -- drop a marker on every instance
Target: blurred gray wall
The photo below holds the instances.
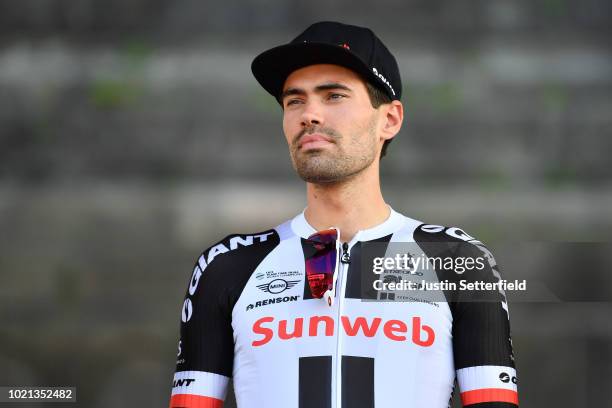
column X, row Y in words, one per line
column 133, row 136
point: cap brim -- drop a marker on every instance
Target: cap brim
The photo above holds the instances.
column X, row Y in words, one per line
column 271, row 68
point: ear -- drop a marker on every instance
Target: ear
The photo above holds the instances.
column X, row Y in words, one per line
column 393, row 116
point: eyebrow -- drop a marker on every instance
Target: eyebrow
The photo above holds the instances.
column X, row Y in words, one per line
column 318, row 88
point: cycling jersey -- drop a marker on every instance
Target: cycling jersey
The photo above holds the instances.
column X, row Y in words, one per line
column 248, row 315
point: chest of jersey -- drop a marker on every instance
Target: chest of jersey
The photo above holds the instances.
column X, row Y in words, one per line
column 359, row 352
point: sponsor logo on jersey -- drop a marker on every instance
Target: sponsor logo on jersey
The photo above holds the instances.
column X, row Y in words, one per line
column 386, row 296
column 272, row 301
column 283, row 274
column 277, row 286
column 505, row 378
column 268, row 329
column 453, row 232
column 182, row 382
column 208, row 256
column 187, row 310
column 180, row 350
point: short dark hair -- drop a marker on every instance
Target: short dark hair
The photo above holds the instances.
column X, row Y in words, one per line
column 378, row 97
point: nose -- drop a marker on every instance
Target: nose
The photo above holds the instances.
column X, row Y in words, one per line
column 311, row 115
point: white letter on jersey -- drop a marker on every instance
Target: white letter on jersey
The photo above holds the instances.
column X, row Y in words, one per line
column 432, row 228
column 264, row 237
column 216, row 250
column 459, row 233
column 195, row 279
column 243, row 241
column 187, row 311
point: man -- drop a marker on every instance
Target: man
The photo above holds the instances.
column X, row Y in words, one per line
column 290, row 314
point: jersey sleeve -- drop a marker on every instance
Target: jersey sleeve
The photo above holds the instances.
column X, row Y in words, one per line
column 205, row 351
column 205, row 358
column 482, row 345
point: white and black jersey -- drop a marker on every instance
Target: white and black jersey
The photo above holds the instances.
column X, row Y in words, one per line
column 248, row 315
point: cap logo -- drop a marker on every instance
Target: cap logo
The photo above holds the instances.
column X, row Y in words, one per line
column 382, row 78
column 345, row 45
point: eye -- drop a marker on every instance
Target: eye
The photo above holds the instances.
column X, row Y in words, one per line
column 336, row 96
column 292, row 102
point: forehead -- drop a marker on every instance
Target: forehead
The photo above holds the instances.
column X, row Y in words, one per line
column 313, row 75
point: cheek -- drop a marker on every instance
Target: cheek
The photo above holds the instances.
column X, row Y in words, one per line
column 346, row 116
column 287, row 128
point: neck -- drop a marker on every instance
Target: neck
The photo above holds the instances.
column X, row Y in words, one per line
column 351, row 205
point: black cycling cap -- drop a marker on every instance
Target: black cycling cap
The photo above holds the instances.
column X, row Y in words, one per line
column 327, row 42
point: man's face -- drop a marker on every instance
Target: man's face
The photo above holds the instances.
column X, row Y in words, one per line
column 329, row 123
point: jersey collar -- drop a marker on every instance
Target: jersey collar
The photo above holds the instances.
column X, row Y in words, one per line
column 393, row 223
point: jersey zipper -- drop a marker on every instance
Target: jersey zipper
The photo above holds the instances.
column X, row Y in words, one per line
column 345, row 259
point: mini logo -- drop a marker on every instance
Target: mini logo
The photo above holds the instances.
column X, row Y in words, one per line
column 277, row 286
column 504, row 377
column 260, row 275
column 345, row 45
column 179, row 348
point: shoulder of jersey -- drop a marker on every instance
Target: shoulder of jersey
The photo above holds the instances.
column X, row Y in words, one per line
column 440, row 233
column 454, row 242
column 231, row 260
column 238, row 246
column 450, row 241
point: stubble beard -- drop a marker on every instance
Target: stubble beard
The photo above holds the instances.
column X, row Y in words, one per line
column 333, row 165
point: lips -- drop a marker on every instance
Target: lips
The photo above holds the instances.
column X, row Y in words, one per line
column 313, row 141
